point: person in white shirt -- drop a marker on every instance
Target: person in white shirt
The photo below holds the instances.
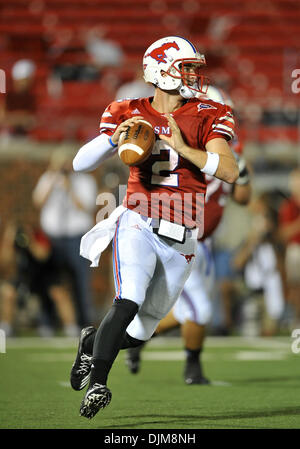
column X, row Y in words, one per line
column 137, row 88
column 257, row 258
column 67, row 204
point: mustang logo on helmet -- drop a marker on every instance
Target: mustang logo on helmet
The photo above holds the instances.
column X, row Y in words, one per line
column 172, row 54
column 159, row 54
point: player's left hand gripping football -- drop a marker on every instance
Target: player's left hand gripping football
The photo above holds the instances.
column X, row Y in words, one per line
column 123, row 127
column 175, row 140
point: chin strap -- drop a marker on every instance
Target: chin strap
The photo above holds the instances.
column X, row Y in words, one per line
column 186, row 93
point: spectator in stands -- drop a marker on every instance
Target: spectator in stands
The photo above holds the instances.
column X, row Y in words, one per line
column 258, row 259
column 100, row 54
column 280, row 113
column 67, row 203
column 17, row 113
column 227, row 238
column 29, row 250
column 289, row 232
column 136, row 88
column 103, row 52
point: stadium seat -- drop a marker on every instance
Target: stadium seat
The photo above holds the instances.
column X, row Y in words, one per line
column 253, row 33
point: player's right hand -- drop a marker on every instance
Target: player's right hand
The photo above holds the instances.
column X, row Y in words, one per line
column 123, row 127
column 175, row 140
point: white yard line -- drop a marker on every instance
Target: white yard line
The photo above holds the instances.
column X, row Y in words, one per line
column 64, row 384
column 38, row 342
column 172, row 356
column 261, row 355
column 233, row 342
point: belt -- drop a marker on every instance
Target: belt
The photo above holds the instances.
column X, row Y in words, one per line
column 155, row 225
column 153, row 222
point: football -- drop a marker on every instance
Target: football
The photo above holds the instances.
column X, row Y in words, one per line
column 135, row 145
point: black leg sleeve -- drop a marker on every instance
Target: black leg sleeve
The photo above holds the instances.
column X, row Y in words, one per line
column 109, row 338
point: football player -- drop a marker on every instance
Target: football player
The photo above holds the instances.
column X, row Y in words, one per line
column 193, row 309
column 154, row 242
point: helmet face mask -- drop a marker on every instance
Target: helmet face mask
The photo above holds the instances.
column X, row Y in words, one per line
column 173, row 63
column 188, row 70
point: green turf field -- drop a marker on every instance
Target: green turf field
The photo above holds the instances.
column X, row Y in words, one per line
column 256, row 385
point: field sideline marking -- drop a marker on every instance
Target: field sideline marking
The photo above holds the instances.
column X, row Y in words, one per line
column 172, row 356
column 210, row 342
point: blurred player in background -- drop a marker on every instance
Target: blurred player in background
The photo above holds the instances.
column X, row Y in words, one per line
column 289, row 231
column 153, row 247
column 193, row 308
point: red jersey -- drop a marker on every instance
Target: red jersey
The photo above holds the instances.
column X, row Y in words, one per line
column 215, row 200
column 167, row 185
column 290, row 211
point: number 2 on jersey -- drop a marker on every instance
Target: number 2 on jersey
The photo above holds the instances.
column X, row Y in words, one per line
column 165, row 166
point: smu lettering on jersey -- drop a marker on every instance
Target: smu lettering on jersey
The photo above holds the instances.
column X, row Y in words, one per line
column 167, row 185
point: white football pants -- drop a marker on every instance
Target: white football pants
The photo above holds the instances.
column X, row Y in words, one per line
column 150, row 270
column 194, row 303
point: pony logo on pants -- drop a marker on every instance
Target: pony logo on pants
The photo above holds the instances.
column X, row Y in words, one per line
column 188, row 257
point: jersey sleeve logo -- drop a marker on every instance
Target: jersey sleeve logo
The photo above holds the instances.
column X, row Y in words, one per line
column 202, row 106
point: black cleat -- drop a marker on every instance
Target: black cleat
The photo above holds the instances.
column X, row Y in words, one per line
column 133, row 359
column 98, row 396
column 81, row 369
column 193, row 374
